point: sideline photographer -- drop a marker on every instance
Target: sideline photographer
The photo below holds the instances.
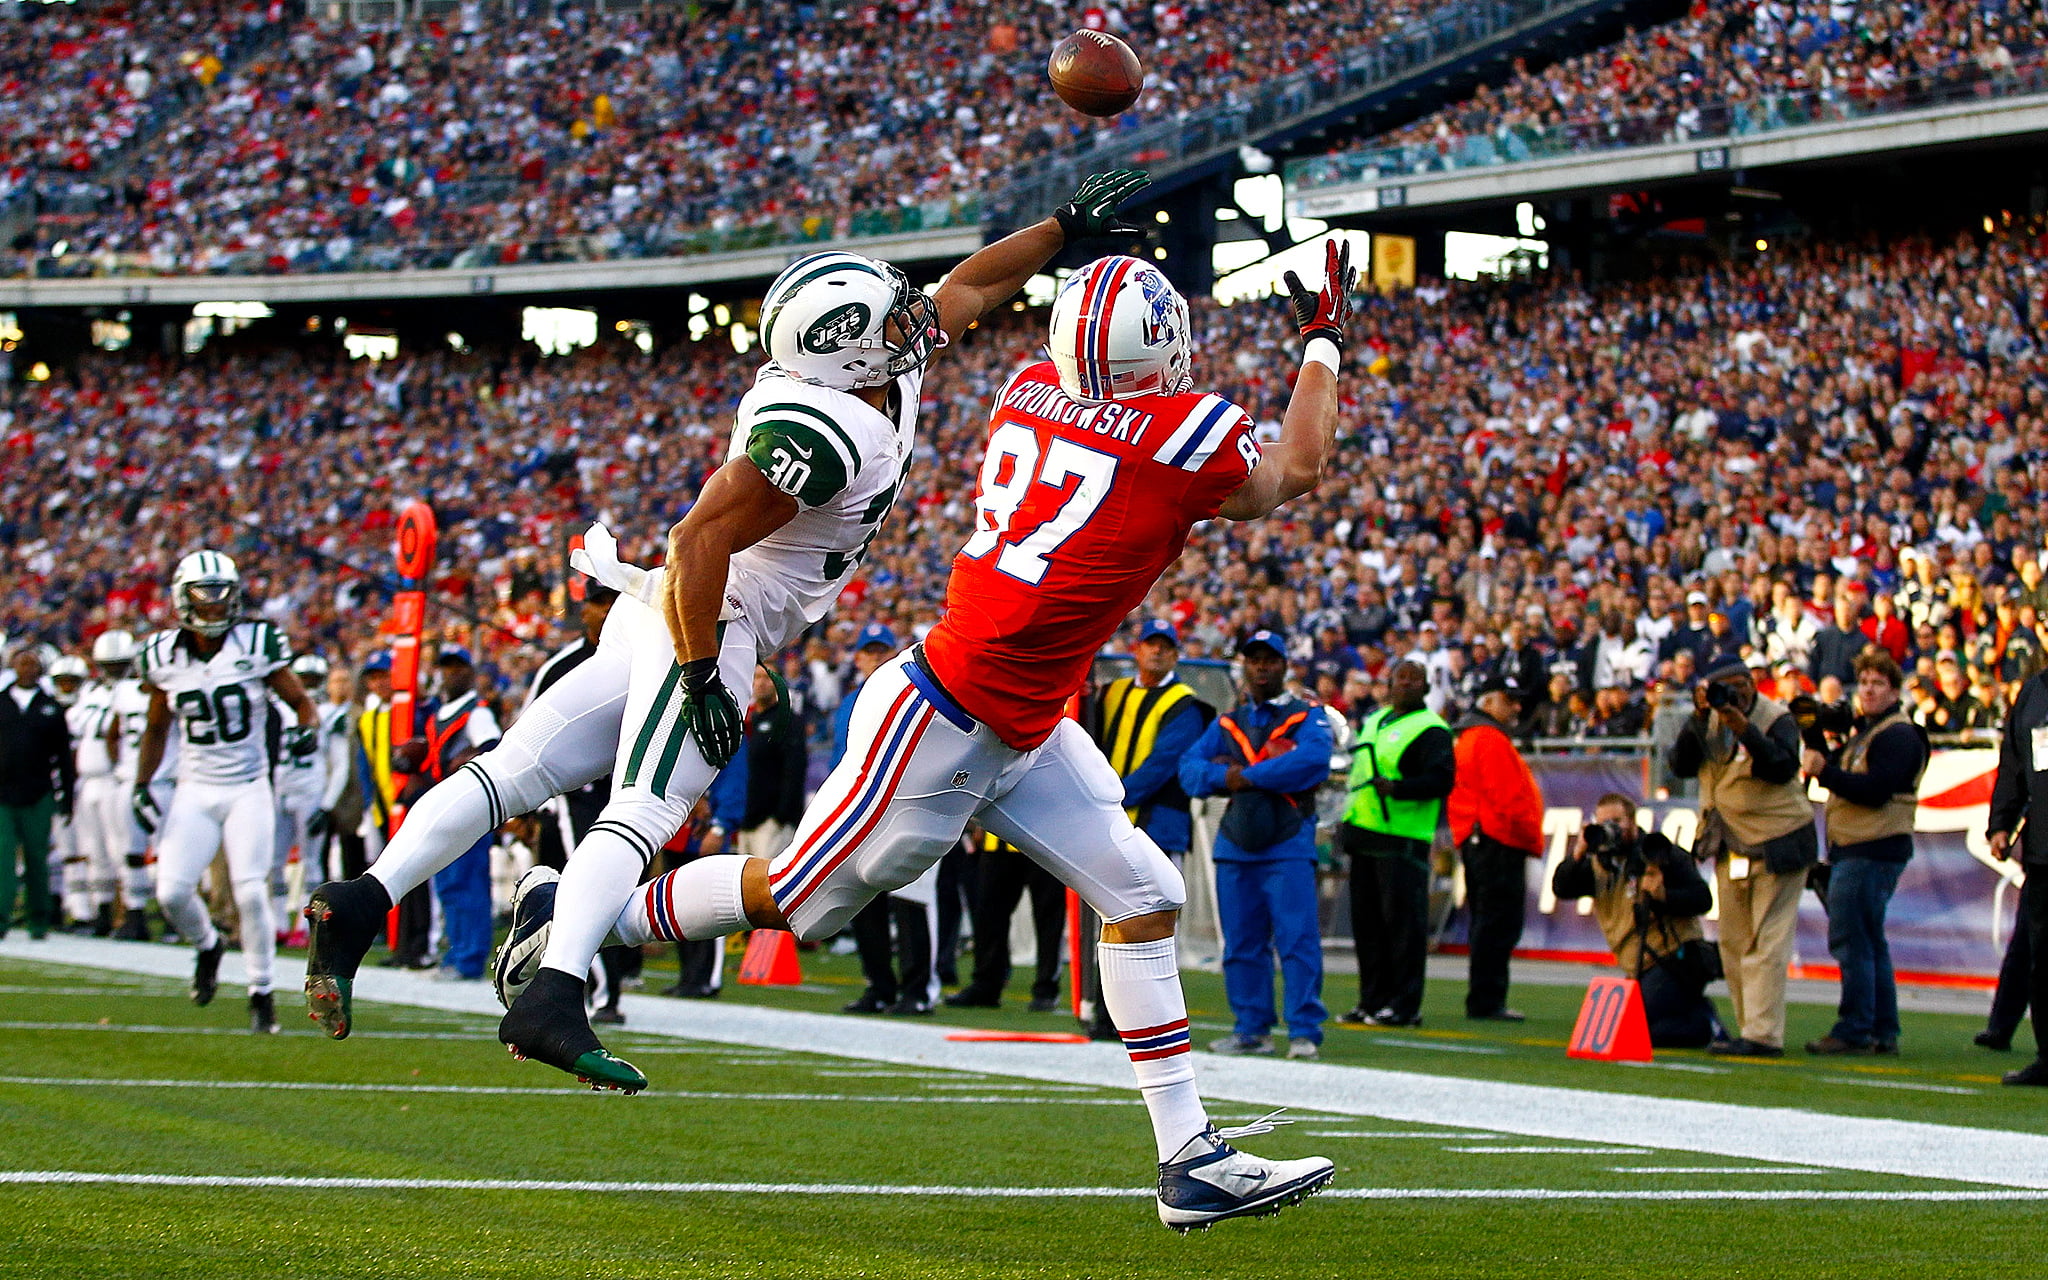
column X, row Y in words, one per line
column 1871, row 767
column 1648, row 898
column 1757, row 825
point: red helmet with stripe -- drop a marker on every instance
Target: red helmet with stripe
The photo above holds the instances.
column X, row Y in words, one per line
column 1120, row 330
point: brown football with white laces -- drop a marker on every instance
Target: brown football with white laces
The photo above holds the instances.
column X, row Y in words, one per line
column 1095, row 73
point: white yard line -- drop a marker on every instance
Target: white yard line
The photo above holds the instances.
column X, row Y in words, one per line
column 562, row 1091
column 1441, row 1046
column 68, row 1177
column 1916, row 1087
column 1781, row 1135
column 1711, row 1168
column 1550, row 1151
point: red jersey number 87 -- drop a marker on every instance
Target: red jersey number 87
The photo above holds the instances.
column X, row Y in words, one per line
column 1018, row 481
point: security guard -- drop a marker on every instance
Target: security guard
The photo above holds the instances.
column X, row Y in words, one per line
column 2021, row 795
column 1144, row 724
column 1403, row 769
column 1269, row 755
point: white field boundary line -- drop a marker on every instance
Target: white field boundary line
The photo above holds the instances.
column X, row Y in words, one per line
column 561, row 1091
column 69, row 1177
column 1774, row 1135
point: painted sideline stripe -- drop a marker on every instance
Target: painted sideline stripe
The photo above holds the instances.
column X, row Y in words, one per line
column 68, row 1177
column 1550, row 1151
column 1710, row 1168
column 241, row 1032
column 1599, row 1112
column 564, row 1091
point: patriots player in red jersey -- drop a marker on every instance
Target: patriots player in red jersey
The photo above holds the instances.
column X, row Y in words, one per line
column 1099, row 462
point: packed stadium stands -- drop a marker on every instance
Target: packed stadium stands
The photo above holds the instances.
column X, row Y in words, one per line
column 1548, row 470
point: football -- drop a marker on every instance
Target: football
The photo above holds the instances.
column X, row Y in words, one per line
column 1095, row 73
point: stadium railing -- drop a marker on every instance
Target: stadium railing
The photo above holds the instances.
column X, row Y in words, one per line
column 1709, row 119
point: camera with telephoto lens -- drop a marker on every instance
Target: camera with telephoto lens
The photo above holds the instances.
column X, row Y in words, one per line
column 1817, row 719
column 1719, row 695
column 1620, row 855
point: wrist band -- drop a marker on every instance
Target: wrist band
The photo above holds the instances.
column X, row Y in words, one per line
column 1322, row 351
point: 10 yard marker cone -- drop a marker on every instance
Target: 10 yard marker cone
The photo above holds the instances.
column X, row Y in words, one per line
column 1611, row 1026
column 771, row 960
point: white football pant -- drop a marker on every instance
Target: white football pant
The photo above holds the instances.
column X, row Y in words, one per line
column 241, row 818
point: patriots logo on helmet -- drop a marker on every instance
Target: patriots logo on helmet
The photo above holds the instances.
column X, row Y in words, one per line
column 1160, row 329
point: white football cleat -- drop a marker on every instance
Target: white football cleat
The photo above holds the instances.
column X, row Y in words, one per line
column 533, row 911
column 1209, row 1180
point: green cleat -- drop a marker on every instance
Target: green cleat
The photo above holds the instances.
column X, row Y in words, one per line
column 547, row 1024
column 342, row 919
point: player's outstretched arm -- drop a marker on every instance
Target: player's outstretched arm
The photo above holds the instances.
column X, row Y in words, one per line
column 994, row 273
column 149, row 753
column 1293, row 465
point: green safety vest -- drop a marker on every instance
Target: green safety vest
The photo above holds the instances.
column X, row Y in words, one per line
column 1382, row 738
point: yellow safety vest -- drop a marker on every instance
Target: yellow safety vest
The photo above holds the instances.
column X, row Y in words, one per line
column 1131, row 716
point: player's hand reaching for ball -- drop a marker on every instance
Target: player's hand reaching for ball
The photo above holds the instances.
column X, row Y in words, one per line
column 710, row 712
column 1323, row 313
column 1092, row 211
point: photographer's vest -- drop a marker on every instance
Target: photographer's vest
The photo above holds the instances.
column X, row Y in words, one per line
column 1614, row 906
column 1756, row 812
column 1382, row 738
column 1858, row 823
column 1131, row 717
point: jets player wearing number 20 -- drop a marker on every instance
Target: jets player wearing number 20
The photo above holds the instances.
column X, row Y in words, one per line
column 1098, row 465
column 212, row 673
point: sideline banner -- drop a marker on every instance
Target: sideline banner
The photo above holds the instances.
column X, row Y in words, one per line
column 1951, row 916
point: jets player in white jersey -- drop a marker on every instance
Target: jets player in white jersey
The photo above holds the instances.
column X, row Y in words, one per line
column 213, row 672
column 114, row 653
column 300, row 784
column 99, row 812
column 818, row 456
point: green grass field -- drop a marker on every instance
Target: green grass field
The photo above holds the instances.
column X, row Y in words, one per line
column 116, row 1074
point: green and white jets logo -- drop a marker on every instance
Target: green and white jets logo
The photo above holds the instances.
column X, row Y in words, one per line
column 833, row 330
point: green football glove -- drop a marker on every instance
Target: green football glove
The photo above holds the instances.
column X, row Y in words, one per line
column 147, row 815
column 710, row 712
column 1092, row 211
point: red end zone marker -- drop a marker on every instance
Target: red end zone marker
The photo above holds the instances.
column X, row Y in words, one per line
column 1611, row 1026
column 771, row 960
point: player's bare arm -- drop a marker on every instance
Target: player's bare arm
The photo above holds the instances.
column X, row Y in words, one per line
column 149, row 753
column 994, row 274
column 1293, row 465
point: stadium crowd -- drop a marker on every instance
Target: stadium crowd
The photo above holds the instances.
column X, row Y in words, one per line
column 469, row 140
column 1601, row 489
column 1732, row 66
column 83, row 82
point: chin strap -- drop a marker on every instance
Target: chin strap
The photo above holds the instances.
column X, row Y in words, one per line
column 1264, row 1124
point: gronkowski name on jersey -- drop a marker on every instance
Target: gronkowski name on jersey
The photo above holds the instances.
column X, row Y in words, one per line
column 219, row 702
column 844, row 461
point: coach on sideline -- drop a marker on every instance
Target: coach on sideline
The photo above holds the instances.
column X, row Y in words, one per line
column 2021, row 795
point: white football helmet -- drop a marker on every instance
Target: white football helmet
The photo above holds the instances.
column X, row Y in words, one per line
column 310, row 668
column 113, row 647
column 206, row 593
column 1120, row 330
column 843, row 321
column 67, row 672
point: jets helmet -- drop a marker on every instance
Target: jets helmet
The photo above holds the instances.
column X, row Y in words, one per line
column 113, row 647
column 1120, row 330
column 206, row 593
column 843, row 321
column 310, row 667
column 67, row 672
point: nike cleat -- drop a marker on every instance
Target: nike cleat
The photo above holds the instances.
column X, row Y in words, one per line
column 547, row 1024
column 343, row 917
column 263, row 1013
column 533, row 915
column 1208, row 1180
column 206, row 971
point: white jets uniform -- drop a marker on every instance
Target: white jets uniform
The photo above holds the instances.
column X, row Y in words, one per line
column 224, row 798
column 844, row 461
column 130, row 704
column 100, row 812
column 300, row 784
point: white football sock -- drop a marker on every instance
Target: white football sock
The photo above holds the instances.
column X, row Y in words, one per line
column 1141, row 990
column 455, row 814
column 598, row 879
column 696, row 902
